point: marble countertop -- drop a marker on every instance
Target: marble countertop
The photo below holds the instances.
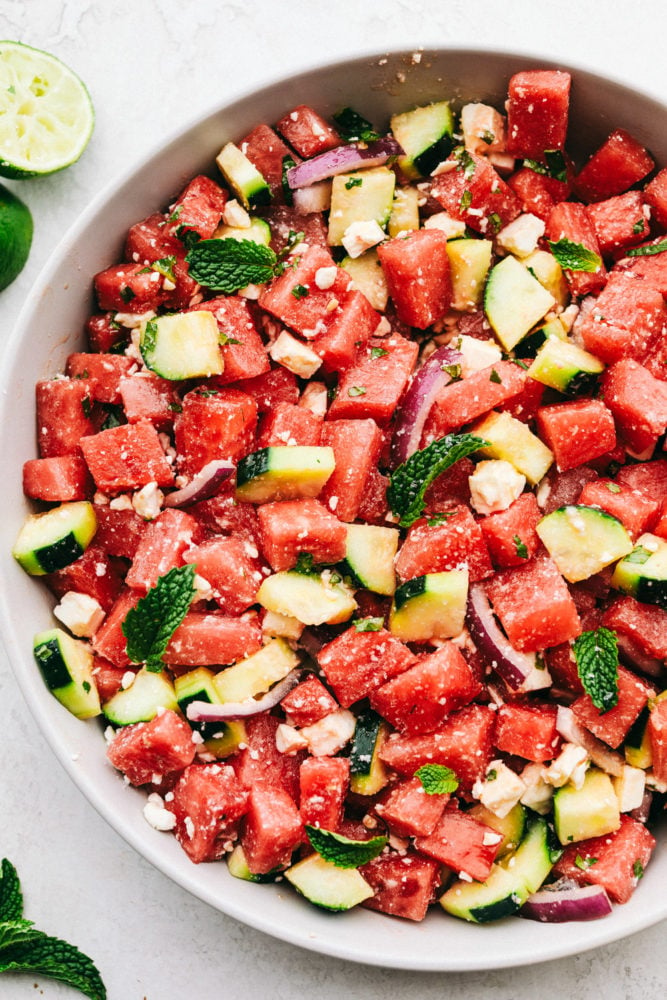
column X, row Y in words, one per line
column 152, row 66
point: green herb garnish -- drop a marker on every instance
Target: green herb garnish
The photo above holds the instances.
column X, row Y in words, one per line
column 596, row 655
column 520, row 547
column 353, row 127
column 495, row 377
column 368, row 624
column 353, row 182
column 436, row 779
column 647, row 251
column 300, row 292
column 575, row 256
column 357, row 390
column 227, row 265
column 341, row 851
column 585, row 863
column 149, row 626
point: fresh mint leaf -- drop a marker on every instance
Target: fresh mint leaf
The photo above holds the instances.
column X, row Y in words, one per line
column 495, row 377
column 353, row 183
column 229, row 264
column 466, row 200
column 341, row 851
column 647, row 251
column 464, row 162
column 11, row 898
column 353, row 127
column 300, row 291
column 596, row 655
column 149, row 626
column 520, row 548
column 437, row 779
column 409, row 482
column 574, row 256
column 584, row 863
column 368, row 624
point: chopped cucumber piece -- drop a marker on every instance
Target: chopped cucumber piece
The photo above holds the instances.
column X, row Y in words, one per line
column 430, row 607
column 368, row 277
column 220, row 738
column 469, row 262
column 52, row 540
column 259, row 231
column 182, row 345
column 549, row 273
column 238, row 867
column 67, row 668
column 562, row 365
column 511, row 827
column 589, row 811
column 257, row 673
column 514, row 301
column 513, row 441
column 369, row 555
column 368, row 773
column 368, row 201
column 404, row 216
column 643, row 572
column 314, row 599
column 141, row 701
column 583, row 540
column 243, row 177
column 326, row 885
column 426, row 135
column 283, row 472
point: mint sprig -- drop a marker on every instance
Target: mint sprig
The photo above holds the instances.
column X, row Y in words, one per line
column 149, row 626
column 341, row 851
column 575, row 256
column 596, row 655
column 23, row 948
column 437, row 779
column 409, row 482
column 229, row 264
column 647, row 251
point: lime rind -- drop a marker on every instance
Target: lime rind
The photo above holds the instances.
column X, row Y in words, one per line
column 46, row 113
column 16, row 230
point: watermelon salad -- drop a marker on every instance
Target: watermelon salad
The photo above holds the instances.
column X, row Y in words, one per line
column 355, row 511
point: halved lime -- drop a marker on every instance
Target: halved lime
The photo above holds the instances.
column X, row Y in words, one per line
column 15, row 236
column 46, row 115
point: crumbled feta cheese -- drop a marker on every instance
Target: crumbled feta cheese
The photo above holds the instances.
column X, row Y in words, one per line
column 81, row 613
column 251, row 291
column 477, row 354
column 128, row 679
column 298, row 358
column 452, row 228
column 123, row 502
column 289, row 739
column 314, row 398
column 629, row 787
column 283, row 625
column 569, row 765
column 156, row 815
column 148, row 501
column 132, row 321
column 521, row 236
column 325, row 276
column 361, row 236
column 538, row 794
column 234, row 214
column 500, row 789
column 203, row 589
column 494, row 485
column 326, row 737
column 483, row 129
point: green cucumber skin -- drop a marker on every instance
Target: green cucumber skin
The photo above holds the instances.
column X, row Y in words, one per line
column 364, row 743
column 650, row 591
column 429, row 158
column 412, row 588
column 59, row 554
column 52, row 664
column 496, row 911
column 253, row 465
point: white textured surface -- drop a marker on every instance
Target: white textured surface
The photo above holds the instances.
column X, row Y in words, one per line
column 152, row 66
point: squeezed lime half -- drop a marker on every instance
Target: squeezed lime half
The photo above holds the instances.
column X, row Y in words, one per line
column 46, row 114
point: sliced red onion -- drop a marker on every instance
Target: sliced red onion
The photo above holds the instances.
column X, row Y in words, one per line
column 342, row 159
column 633, row 656
column 565, row 900
column 205, row 711
column 205, row 484
column 571, row 730
column 520, row 671
column 418, row 399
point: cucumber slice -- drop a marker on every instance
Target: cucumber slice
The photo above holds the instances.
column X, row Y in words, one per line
column 426, row 135
column 283, row 472
column 404, row 216
column 141, row 701
column 182, row 345
column 67, row 668
column 238, row 867
column 368, row 773
column 243, row 177
column 430, row 607
column 643, row 572
column 49, row 541
column 313, row 600
column 530, row 345
column 259, row 231
column 368, row 201
column 369, row 556
column 469, row 261
column 511, row 882
column 514, row 301
column 583, row 540
column 256, row 674
column 638, row 747
column 326, row 885
column 562, row 365
column 513, row 441
column 589, row 811
column 220, row 738
column 549, row 273
column 368, row 277
column 512, row 827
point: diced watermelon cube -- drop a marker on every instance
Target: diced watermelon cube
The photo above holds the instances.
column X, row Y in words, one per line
column 118, row 531
column 295, row 297
column 108, row 678
column 417, row 270
column 230, row 418
column 273, row 829
column 616, row 861
column 242, row 347
column 619, row 221
column 404, row 885
column 209, row 639
column 260, row 762
column 289, row 423
column 538, row 193
column 126, row 458
column 324, row 785
column 57, row 479
column 356, row 446
column 534, row 605
column 460, row 402
column 510, row 534
column 644, row 624
column 159, row 747
column 129, row 288
column 198, row 208
column 657, row 729
column 638, row 402
column 463, row 843
column 373, row 385
column 109, row 641
column 408, row 811
column 577, row 431
column 619, row 163
column 308, row 702
column 649, row 478
column 208, row 804
column 146, row 396
column 161, row 547
column 626, row 319
column 570, row 221
column 655, row 193
column 231, row 567
column 537, row 112
column 635, row 512
column 266, row 152
column 355, row 663
column 528, row 730
column 373, row 506
column 103, row 333
column 419, row 699
column 307, row 132
column 352, row 326
column 101, row 372
column 476, row 193
column 612, row 726
column 63, row 416
column 291, row 527
column 445, row 545
column 94, row 573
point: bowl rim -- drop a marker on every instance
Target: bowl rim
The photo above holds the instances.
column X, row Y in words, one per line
column 134, row 829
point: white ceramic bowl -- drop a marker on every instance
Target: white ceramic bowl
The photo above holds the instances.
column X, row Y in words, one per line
column 50, row 327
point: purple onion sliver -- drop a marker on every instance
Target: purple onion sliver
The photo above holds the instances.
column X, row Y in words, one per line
column 342, row 159
column 518, row 670
column 204, row 485
column 558, row 905
column 418, row 400
column 205, row 711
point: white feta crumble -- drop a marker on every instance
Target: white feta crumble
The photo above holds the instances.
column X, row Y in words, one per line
column 298, row 358
column 147, row 501
column 81, row 613
column 629, row 787
column 477, row 354
column 361, row 236
column 203, row 589
column 500, row 789
column 494, row 485
column 570, row 765
column 483, row 128
column 289, row 740
column 234, row 214
column 128, row 679
column 326, row 737
column 123, row 502
column 156, row 815
column 539, row 793
column 521, row 236
column 452, row 228
column 325, row 277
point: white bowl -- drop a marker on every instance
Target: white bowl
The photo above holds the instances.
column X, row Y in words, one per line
column 50, row 327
